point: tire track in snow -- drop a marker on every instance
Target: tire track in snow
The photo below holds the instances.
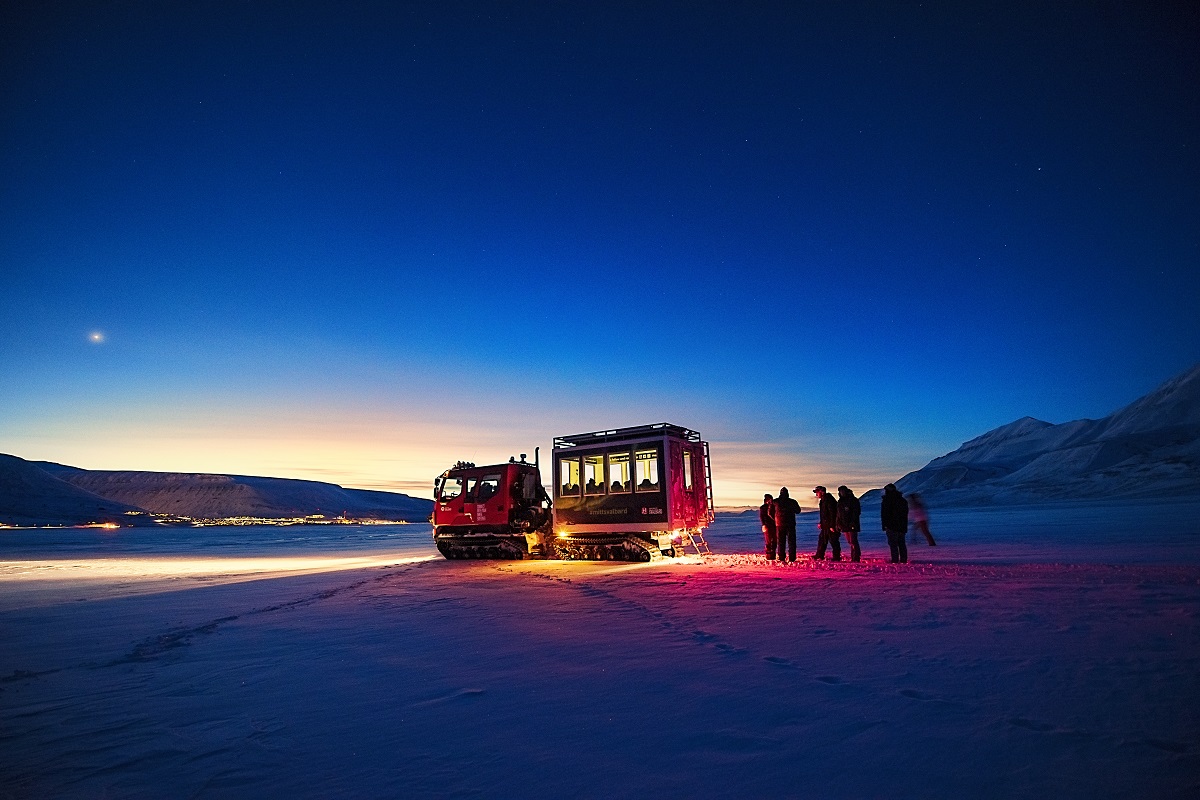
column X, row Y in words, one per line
column 682, row 627
column 689, row 629
column 678, row 625
column 154, row 647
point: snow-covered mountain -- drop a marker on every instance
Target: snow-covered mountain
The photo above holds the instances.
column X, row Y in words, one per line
column 1150, row 448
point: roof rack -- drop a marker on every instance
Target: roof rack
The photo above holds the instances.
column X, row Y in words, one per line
column 624, row 434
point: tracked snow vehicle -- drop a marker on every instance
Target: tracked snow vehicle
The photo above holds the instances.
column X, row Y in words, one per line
column 627, row 494
column 496, row 511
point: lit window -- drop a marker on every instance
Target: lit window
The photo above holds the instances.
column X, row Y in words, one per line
column 593, row 474
column 568, row 477
column 618, row 473
column 687, row 470
column 647, row 470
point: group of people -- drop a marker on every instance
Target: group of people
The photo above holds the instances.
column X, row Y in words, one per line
column 841, row 517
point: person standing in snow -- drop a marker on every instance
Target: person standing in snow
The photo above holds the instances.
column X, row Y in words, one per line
column 893, row 514
column 849, row 512
column 918, row 517
column 766, row 515
column 786, row 510
column 827, row 525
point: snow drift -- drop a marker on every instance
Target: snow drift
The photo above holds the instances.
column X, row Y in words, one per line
column 129, row 668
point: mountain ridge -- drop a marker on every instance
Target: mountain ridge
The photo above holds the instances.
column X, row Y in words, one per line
column 45, row 492
column 1148, row 448
column 31, row 496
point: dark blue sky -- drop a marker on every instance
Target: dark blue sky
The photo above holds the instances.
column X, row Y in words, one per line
column 837, row 238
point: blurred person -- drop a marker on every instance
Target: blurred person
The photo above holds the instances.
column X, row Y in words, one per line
column 786, row 510
column 918, row 517
column 893, row 514
column 766, row 515
column 849, row 513
column 827, row 525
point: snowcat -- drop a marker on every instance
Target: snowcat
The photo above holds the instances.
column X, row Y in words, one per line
column 496, row 511
column 626, row 494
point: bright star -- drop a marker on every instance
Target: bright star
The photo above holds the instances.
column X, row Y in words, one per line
column 96, row 337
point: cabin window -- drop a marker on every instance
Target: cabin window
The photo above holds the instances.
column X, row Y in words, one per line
column 646, row 476
column 451, row 489
column 687, row 471
column 593, row 474
column 568, row 477
column 619, row 473
column 489, row 485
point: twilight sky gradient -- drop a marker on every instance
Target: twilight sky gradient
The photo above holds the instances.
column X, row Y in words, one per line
column 360, row 241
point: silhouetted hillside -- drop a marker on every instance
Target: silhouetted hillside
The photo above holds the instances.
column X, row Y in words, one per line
column 29, row 495
column 219, row 496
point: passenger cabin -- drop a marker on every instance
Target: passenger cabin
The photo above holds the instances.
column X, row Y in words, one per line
column 650, row 479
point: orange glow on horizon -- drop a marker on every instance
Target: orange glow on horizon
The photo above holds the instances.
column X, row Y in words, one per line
column 386, row 448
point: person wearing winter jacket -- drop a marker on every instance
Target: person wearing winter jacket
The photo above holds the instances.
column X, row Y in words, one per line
column 893, row 514
column 786, row 510
column 849, row 512
column 766, row 515
column 827, row 525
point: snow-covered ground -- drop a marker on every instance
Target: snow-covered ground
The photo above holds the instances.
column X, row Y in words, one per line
column 1034, row 652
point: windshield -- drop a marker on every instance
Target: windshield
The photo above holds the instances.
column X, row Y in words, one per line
column 451, row 488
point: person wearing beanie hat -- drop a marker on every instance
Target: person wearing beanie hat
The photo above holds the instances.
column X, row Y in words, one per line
column 849, row 511
column 827, row 526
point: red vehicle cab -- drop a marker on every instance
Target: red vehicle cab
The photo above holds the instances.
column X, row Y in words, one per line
column 496, row 511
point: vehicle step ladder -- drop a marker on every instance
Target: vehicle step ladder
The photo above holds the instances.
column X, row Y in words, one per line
column 697, row 537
